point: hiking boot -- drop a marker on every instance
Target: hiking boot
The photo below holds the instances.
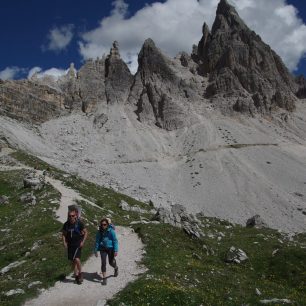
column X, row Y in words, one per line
column 104, row 281
column 80, row 277
column 116, row 271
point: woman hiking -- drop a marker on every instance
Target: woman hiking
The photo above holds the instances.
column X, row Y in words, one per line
column 107, row 244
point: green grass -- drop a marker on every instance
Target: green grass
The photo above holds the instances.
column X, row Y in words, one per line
column 181, row 270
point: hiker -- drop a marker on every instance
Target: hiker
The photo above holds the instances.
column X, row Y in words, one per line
column 107, row 244
column 74, row 235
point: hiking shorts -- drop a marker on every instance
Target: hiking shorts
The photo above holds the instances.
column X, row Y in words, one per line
column 74, row 252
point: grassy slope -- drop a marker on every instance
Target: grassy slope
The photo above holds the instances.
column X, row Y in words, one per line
column 182, row 270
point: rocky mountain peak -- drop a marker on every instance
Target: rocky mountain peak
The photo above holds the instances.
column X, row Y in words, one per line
column 242, row 67
column 227, row 18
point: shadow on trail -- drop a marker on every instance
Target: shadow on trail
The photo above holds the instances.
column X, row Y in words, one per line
column 92, row 277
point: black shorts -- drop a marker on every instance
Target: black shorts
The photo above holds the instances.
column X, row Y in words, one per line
column 74, row 252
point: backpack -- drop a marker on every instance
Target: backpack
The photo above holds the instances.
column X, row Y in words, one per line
column 77, row 228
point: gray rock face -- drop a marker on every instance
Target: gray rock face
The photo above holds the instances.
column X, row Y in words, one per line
column 301, row 82
column 91, row 85
column 101, row 81
column 118, row 78
column 159, row 94
column 243, row 67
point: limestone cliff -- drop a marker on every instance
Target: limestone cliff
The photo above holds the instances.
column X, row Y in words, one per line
column 27, row 101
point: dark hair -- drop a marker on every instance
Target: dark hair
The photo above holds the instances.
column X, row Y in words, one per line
column 104, row 220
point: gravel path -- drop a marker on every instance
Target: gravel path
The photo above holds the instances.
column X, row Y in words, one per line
column 91, row 292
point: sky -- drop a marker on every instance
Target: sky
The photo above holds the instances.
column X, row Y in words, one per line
column 45, row 36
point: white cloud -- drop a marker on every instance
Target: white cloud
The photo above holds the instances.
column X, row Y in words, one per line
column 54, row 73
column 59, row 38
column 33, row 71
column 176, row 25
column 10, row 73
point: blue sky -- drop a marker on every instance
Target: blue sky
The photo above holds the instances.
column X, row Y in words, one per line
column 37, row 35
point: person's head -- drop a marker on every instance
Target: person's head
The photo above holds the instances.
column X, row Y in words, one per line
column 72, row 215
column 104, row 223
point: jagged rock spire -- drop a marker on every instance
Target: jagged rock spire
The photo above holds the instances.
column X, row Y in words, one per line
column 114, row 51
column 238, row 61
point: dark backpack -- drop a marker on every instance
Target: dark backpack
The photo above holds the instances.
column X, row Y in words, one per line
column 76, row 229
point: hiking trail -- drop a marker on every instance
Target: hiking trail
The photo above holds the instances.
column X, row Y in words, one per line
column 90, row 292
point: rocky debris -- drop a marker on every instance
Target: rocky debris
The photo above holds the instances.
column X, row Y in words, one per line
column 7, row 160
column 144, row 222
column 256, row 221
column 36, row 245
column 4, row 199
column 28, row 198
column 33, row 181
column 14, row 291
column 275, row 301
column 258, row 292
column 100, row 120
column 180, row 218
column 33, row 284
column 235, row 255
column 11, row 266
column 242, row 67
column 209, row 251
column 126, row 207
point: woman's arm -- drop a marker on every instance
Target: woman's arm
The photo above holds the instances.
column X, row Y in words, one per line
column 115, row 241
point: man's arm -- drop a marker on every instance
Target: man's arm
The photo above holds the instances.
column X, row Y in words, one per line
column 85, row 234
column 64, row 239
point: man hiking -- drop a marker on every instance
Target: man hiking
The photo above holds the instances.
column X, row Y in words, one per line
column 74, row 235
column 107, row 244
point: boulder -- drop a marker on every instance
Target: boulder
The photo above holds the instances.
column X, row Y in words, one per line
column 179, row 217
column 256, row 221
column 235, row 255
column 33, row 181
column 28, row 198
column 4, row 199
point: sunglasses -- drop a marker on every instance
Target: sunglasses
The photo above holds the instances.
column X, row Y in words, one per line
column 71, row 216
column 104, row 224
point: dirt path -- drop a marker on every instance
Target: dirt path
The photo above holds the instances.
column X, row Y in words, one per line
column 91, row 292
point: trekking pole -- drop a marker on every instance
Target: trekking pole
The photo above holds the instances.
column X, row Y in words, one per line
column 75, row 253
